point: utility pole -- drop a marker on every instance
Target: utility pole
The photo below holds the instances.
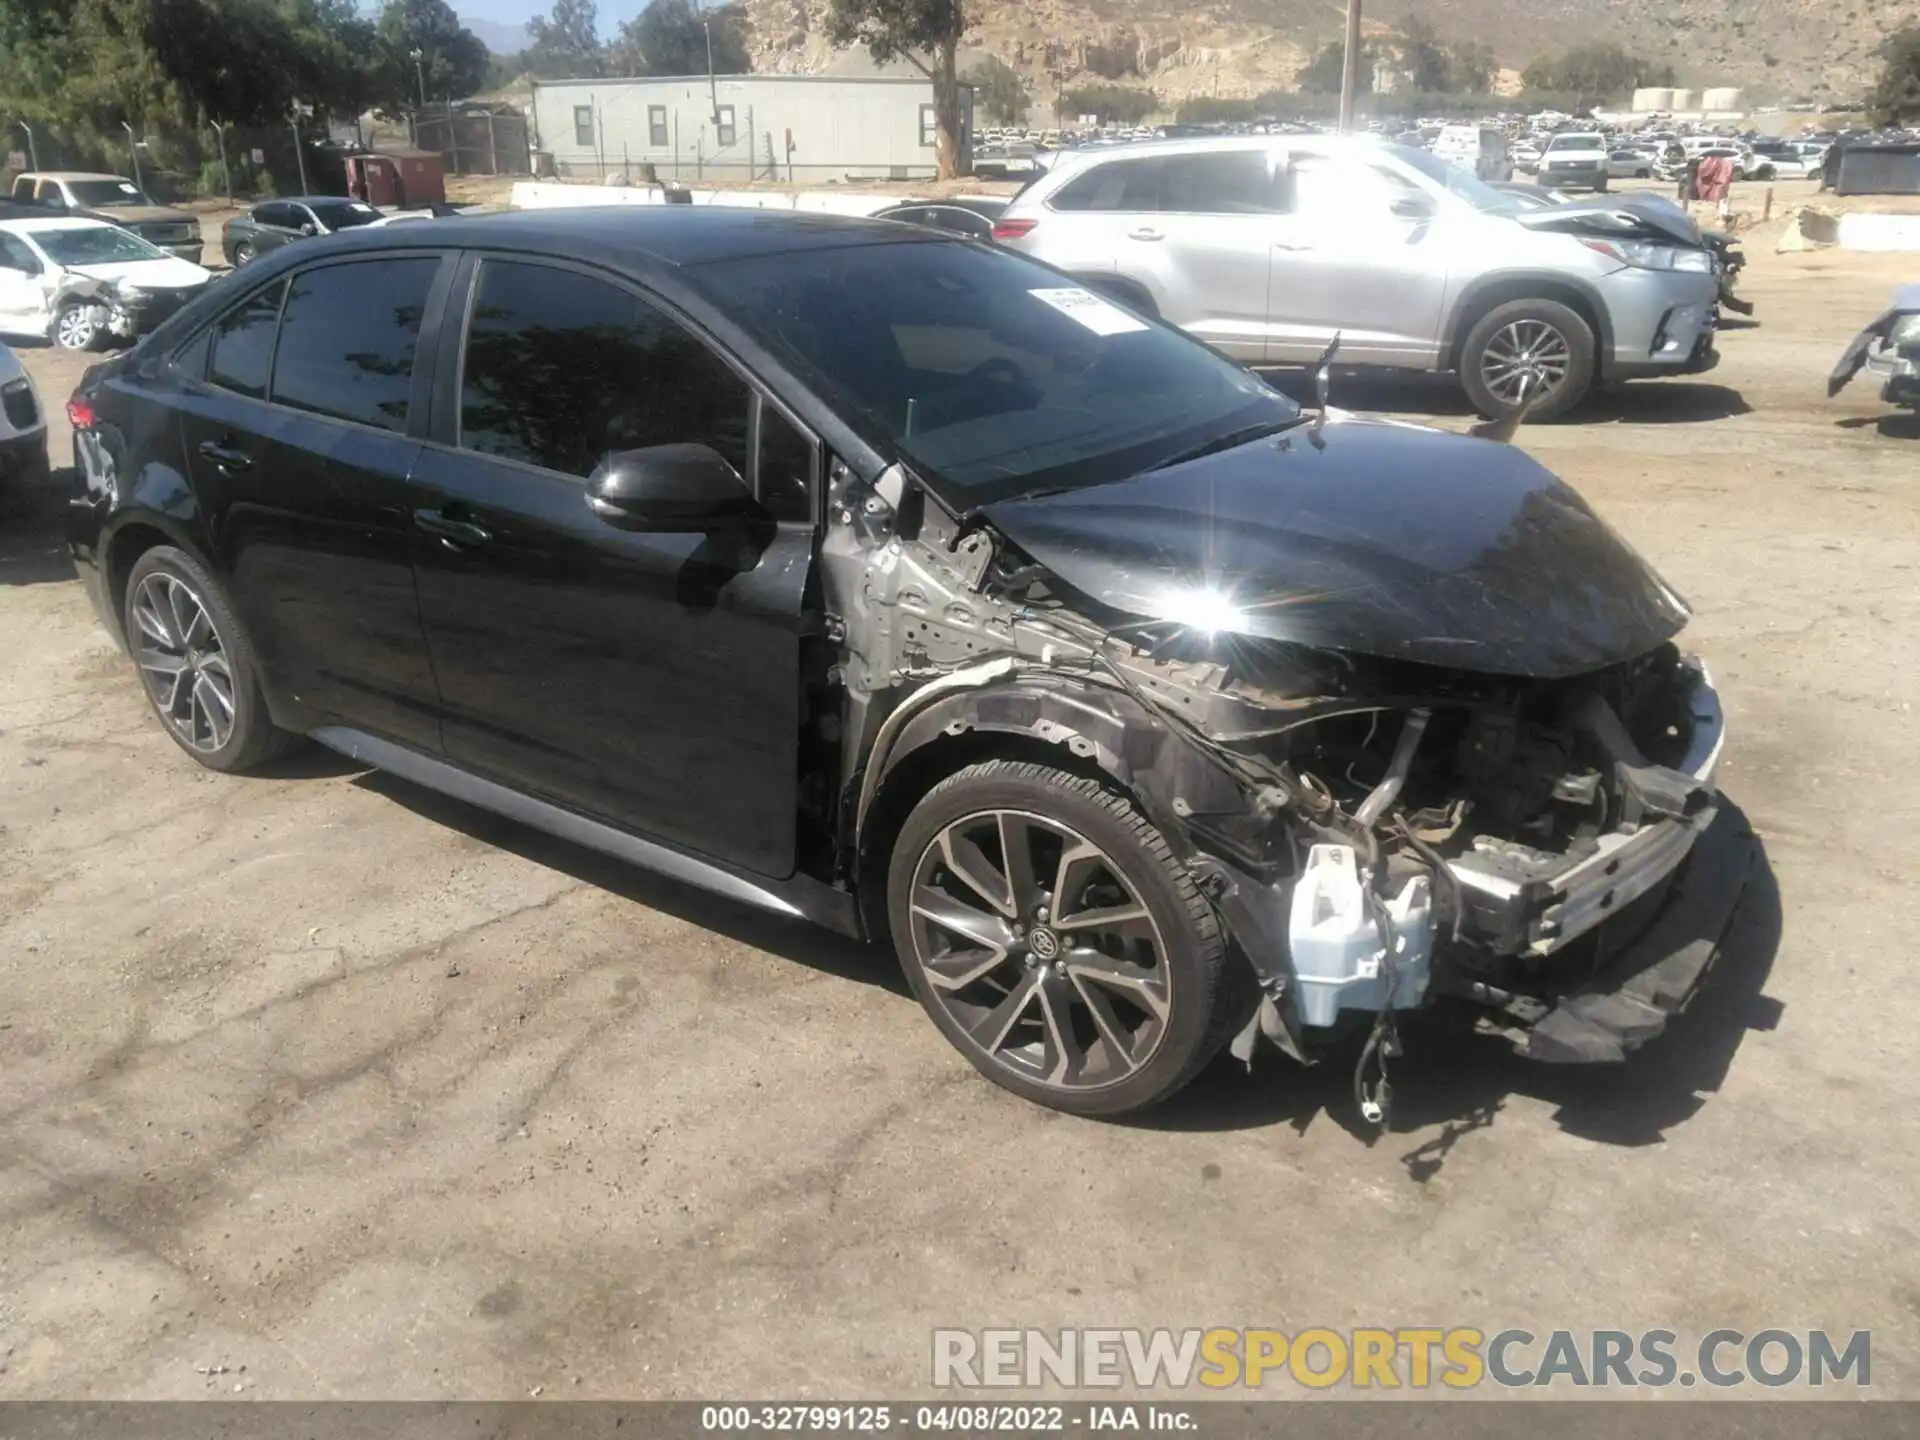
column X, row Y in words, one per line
column 299, row 155
column 133, row 153
column 226, row 174
column 713, row 86
column 33, row 151
column 420, row 75
column 1350, row 67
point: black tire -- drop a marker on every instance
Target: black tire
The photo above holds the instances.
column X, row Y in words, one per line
column 1765, row 172
column 251, row 739
column 1576, row 379
column 1198, row 1004
column 1643, row 174
column 1600, row 186
column 242, row 253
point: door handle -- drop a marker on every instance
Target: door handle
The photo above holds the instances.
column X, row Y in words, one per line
column 225, row 457
column 1292, row 245
column 1144, row 233
column 451, row 532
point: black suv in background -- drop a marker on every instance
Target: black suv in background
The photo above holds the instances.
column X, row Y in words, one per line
column 893, row 580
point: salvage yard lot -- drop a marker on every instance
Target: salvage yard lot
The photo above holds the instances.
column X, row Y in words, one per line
column 372, row 1094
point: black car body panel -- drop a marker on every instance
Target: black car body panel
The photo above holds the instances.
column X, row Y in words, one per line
column 1249, row 644
column 1385, row 540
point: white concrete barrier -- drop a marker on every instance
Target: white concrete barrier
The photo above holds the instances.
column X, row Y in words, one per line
column 546, row 195
column 1880, row 232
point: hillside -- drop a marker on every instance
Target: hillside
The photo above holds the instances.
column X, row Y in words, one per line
column 1776, row 49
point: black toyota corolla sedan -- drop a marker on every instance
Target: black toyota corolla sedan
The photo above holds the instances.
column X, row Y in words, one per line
column 886, row 579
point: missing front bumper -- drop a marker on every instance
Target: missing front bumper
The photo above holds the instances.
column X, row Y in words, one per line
column 1656, row 976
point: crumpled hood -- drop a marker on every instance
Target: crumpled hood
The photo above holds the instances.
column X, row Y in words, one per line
column 1392, row 541
column 1638, row 217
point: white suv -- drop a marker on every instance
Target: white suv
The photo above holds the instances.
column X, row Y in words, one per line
column 1269, row 246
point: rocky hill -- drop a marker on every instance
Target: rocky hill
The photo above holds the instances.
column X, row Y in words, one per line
column 1775, row 49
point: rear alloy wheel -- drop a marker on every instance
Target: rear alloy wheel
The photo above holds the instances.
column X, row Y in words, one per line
column 76, row 328
column 1537, row 348
column 1050, row 933
column 196, row 663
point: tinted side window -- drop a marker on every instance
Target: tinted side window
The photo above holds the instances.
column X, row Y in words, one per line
column 1129, row 185
column 347, row 340
column 14, row 255
column 276, row 214
column 1233, row 182
column 786, row 467
column 243, row 344
column 563, row 369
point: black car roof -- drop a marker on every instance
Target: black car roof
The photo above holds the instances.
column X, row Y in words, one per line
column 676, row 235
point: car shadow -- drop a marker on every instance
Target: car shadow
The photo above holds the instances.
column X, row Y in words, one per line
column 1448, row 1077
column 1460, row 1081
column 33, row 548
column 792, row 939
column 1894, row 426
column 1663, row 402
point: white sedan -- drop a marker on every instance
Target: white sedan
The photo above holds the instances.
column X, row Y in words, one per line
column 1784, row 162
column 79, row 282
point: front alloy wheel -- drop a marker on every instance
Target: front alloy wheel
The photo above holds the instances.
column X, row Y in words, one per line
column 1528, row 356
column 1051, row 935
column 75, row 328
column 1039, row 949
column 1540, row 348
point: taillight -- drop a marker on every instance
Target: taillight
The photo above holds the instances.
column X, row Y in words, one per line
column 80, row 411
column 1012, row 229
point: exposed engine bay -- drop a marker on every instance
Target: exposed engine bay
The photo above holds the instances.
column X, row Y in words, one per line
column 1377, row 833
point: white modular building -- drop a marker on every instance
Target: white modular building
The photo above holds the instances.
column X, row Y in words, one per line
column 743, row 127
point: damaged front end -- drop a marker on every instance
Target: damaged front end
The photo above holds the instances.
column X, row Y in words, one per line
column 1416, row 744
column 1888, row 349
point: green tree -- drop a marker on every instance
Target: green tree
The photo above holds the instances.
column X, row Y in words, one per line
column 669, row 37
column 1216, row 109
column 1321, row 75
column 565, row 43
column 1425, row 62
column 1123, row 104
column 1000, row 91
column 1895, row 97
column 453, row 60
column 924, row 33
column 1594, row 73
column 1474, row 67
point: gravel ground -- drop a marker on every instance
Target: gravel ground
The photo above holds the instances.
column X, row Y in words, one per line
column 374, row 1095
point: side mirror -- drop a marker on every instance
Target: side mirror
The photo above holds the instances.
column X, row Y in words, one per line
column 668, row 490
column 1413, row 207
column 309, row 228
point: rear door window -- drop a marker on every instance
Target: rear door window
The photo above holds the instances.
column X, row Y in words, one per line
column 1129, row 186
column 1225, row 182
column 348, row 336
column 243, row 343
column 563, row 369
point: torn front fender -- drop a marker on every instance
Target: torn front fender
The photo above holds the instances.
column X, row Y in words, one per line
column 1094, row 723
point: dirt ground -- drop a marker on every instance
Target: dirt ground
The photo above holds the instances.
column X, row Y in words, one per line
column 359, row 1092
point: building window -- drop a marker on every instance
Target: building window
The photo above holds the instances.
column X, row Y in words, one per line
column 583, row 125
column 929, row 126
column 723, row 132
column 657, row 126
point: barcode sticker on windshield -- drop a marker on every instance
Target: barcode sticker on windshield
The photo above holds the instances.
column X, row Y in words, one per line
column 1084, row 307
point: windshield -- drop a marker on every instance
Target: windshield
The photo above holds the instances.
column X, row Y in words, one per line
column 95, row 245
column 343, row 214
column 1469, row 187
column 1574, row 142
column 106, row 192
column 987, row 371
